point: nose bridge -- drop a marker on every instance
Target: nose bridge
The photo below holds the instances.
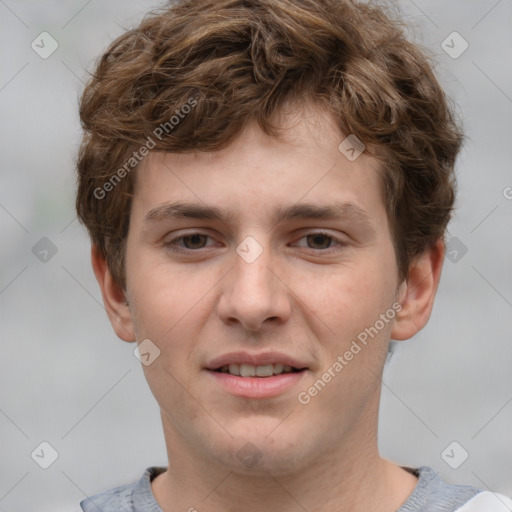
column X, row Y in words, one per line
column 252, row 293
column 251, row 265
column 252, row 278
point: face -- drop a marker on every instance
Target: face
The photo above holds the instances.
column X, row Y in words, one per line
column 278, row 255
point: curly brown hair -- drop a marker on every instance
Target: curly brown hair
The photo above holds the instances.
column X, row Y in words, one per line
column 231, row 61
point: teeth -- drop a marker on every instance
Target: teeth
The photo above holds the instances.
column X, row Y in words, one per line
column 265, row 371
column 249, row 370
column 234, row 369
column 278, row 368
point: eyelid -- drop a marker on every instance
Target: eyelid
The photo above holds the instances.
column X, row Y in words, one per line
column 338, row 240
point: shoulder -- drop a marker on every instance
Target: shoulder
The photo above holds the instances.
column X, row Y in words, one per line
column 432, row 494
column 134, row 497
column 118, row 499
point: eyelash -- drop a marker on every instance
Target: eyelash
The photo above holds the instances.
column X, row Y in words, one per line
column 172, row 244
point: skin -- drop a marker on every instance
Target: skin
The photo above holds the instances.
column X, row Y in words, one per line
column 301, row 297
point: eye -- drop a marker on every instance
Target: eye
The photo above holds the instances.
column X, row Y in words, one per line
column 193, row 242
column 320, row 241
column 190, row 242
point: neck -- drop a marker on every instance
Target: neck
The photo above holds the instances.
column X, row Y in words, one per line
column 349, row 477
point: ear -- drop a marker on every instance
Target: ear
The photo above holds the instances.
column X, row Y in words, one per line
column 418, row 291
column 116, row 305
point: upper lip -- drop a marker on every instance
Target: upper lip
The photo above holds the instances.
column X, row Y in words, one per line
column 262, row 359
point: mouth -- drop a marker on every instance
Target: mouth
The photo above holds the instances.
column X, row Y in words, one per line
column 263, row 371
column 256, row 376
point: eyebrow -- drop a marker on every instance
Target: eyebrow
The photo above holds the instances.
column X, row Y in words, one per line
column 336, row 211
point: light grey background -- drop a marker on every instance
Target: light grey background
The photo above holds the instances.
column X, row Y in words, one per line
column 66, row 379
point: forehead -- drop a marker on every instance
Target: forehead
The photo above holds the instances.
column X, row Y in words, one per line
column 259, row 178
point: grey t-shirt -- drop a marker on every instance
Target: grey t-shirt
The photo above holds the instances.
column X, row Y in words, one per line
column 431, row 494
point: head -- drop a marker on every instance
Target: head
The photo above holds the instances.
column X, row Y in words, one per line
column 235, row 109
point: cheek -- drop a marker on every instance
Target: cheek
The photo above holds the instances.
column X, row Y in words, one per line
column 346, row 299
column 164, row 296
column 168, row 311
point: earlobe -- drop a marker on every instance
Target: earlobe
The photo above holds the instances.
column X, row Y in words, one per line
column 114, row 298
column 418, row 292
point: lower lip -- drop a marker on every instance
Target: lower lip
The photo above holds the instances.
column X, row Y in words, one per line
column 257, row 387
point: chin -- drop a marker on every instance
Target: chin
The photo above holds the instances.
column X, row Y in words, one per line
column 262, row 451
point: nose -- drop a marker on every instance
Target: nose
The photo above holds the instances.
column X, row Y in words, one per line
column 253, row 294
